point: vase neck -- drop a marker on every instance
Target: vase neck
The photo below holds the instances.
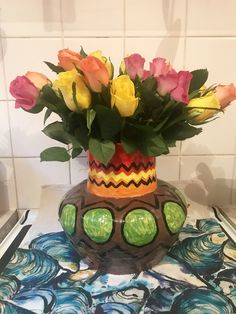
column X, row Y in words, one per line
column 125, row 175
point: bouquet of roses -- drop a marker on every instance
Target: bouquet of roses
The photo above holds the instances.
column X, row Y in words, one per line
column 144, row 110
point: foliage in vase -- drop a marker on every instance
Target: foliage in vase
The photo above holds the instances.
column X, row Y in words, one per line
column 144, row 110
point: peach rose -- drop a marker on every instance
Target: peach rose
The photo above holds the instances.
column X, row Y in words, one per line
column 225, row 94
column 38, row 79
column 95, row 73
column 68, row 59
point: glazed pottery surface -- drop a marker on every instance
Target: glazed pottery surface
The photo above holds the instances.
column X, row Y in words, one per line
column 122, row 231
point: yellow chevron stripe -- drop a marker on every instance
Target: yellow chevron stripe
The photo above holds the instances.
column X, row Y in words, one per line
column 122, row 176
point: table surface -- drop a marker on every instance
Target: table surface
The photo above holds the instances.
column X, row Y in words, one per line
column 45, row 274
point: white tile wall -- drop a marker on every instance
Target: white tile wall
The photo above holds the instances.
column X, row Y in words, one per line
column 191, row 34
column 8, row 197
column 155, row 18
column 5, row 140
column 31, row 18
column 31, row 174
column 211, row 18
column 103, row 18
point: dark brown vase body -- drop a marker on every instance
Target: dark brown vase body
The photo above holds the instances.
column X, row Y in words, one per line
column 122, row 218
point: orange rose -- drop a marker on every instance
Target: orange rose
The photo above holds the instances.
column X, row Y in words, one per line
column 95, row 73
column 38, row 79
column 68, row 59
column 225, row 94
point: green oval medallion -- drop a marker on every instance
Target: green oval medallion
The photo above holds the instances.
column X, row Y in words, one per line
column 140, row 227
column 68, row 218
column 98, row 224
column 174, row 216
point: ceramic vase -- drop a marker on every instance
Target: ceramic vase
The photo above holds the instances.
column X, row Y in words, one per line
column 122, row 218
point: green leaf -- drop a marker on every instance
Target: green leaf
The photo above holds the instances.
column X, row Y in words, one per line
column 54, row 154
column 49, row 94
column 81, row 134
column 199, row 79
column 56, row 131
column 145, row 139
column 82, row 52
column 128, row 145
column 47, row 115
column 90, row 116
column 159, row 126
column 74, row 94
column 108, row 121
column 154, row 146
column 54, row 102
column 76, row 151
column 102, row 150
column 54, row 68
column 180, row 132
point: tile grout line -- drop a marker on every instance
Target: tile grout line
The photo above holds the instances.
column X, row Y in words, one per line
column 62, row 25
column 124, row 28
column 63, row 46
column 184, row 65
column 122, row 35
column 232, row 181
column 9, row 120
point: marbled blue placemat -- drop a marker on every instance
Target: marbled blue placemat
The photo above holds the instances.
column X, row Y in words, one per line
column 197, row 276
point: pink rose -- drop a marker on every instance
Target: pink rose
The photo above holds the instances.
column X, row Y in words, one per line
column 68, row 59
column 134, row 65
column 95, row 73
column 180, row 93
column 38, row 79
column 166, row 83
column 159, row 66
column 25, row 92
column 175, row 84
column 225, row 94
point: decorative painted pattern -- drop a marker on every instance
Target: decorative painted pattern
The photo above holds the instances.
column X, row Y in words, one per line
column 174, row 216
column 140, row 227
column 68, row 218
column 98, row 224
column 204, row 283
column 126, row 175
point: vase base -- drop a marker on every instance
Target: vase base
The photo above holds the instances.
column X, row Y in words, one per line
column 123, row 235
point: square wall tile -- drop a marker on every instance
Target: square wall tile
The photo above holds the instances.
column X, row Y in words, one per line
column 2, row 82
column 30, row 18
column 211, row 18
column 215, row 54
column 5, row 139
column 31, row 174
column 92, row 18
column 79, row 170
column 215, row 172
column 234, row 185
column 155, row 18
column 7, row 185
column 171, row 49
column 167, row 168
column 217, row 138
column 33, row 52
column 28, row 140
column 112, row 48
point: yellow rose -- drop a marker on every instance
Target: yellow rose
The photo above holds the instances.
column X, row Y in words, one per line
column 200, row 111
column 64, row 84
column 109, row 66
column 123, row 95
